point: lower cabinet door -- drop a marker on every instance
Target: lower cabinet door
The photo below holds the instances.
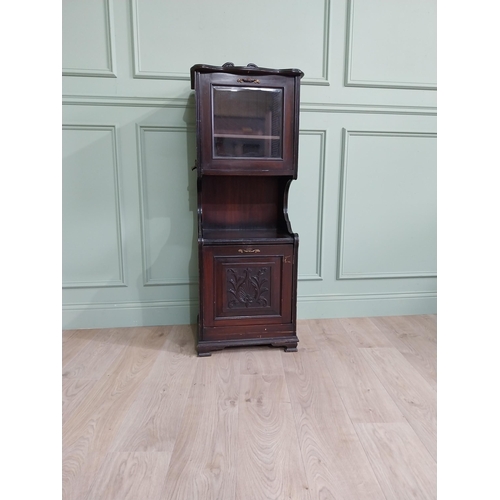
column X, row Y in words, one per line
column 244, row 285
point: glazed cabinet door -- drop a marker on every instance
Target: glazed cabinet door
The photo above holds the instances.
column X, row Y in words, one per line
column 247, row 285
column 246, row 124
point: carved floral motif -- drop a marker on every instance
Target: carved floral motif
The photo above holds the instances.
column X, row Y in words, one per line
column 248, row 287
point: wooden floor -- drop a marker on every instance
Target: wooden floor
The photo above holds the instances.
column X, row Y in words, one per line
column 351, row 415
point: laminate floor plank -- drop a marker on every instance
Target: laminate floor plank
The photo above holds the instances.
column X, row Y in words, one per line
column 67, row 334
column 364, row 396
column 130, row 476
column 269, row 458
column 402, row 464
column 335, row 463
column 384, row 324
column 413, row 395
column 154, row 418
column 426, row 324
column 334, row 330
column 74, row 341
column 93, row 359
column 364, row 333
column 430, row 321
column 416, row 346
column 74, row 391
column 89, row 432
column 406, row 326
column 204, row 460
column 307, row 338
column 261, row 361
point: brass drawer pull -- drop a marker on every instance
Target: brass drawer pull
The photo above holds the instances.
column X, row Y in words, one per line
column 248, row 250
column 247, row 80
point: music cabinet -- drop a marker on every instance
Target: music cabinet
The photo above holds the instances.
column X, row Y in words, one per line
column 247, row 127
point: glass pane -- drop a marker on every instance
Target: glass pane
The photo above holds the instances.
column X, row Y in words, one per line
column 248, row 122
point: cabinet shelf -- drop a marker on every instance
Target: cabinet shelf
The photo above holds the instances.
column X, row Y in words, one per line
column 245, row 236
column 249, row 136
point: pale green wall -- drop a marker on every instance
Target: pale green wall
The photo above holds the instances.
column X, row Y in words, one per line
column 365, row 200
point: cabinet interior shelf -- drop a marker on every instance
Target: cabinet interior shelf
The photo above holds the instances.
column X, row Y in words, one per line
column 245, row 236
column 248, row 136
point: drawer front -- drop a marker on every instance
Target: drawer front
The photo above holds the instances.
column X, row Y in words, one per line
column 247, row 285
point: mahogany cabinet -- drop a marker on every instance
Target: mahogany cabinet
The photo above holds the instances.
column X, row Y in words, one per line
column 247, row 124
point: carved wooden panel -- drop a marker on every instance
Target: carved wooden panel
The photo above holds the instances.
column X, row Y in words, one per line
column 248, row 287
column 254, row 287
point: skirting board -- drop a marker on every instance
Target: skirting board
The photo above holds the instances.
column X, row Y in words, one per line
column 366, row 304
column 76, row 316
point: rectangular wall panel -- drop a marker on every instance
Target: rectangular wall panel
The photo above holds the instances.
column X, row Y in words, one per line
column 168, row 189
column 388, row 208
column 88, row 38
column 392, row 44
column 271, row 34
column 92, row 240
column 306, row 203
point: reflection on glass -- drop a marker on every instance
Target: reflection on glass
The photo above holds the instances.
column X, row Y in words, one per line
column 247, row 122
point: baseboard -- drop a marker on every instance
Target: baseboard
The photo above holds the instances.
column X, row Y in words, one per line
column 366, row 304
column 116, row 315
column 76, row 316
